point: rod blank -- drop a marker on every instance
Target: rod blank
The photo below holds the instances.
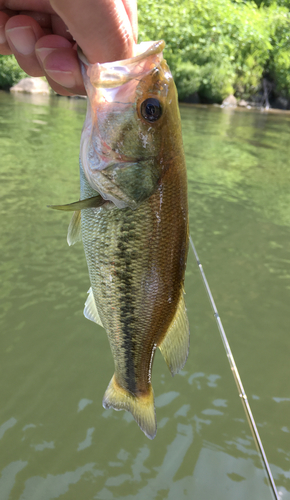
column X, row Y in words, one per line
column 238, row 380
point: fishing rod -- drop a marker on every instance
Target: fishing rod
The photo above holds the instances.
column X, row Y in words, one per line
column 237, row 378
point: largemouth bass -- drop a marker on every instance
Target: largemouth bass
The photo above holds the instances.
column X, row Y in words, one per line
column 133, row 220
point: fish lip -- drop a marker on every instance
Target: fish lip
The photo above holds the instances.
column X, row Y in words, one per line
column 114, row 74
column 154, row 47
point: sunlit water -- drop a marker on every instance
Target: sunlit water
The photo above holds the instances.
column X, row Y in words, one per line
column 56, row 439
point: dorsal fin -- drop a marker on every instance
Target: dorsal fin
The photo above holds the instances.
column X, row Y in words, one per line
column 175, row 345
column 90, row 310
column 74, row 229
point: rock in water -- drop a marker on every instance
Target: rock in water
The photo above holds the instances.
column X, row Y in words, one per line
column 230, row 101
column 31, row 86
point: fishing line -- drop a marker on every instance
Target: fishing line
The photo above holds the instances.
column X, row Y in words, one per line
column 237, row 378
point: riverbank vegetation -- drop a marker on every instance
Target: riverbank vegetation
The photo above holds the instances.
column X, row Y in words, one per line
column 10, row 72
column 214, row 47
column 220, row 47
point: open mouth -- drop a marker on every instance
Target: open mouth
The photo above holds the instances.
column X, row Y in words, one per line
column 115, row 74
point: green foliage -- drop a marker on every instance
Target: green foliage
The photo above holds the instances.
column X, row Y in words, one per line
column 213, row 47
column 279, row 63
column 217, row 47
column 10, row 72
column 267, row 3
column 210, row 80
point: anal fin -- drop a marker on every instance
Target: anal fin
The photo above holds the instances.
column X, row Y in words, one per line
column 175, row 345
column 90, row 310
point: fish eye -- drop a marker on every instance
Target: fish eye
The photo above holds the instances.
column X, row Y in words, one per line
column 151, row 110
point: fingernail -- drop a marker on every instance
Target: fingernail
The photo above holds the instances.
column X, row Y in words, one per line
column 2, row 34
column 23, row 39
column 64, row 78
column 43, row 52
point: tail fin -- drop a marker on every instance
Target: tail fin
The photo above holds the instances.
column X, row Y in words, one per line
column 141, row 407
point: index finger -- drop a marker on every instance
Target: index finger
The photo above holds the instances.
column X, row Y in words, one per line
column 37, row 5
column 102, row 28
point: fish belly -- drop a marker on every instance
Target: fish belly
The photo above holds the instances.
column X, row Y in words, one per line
column 136, row 261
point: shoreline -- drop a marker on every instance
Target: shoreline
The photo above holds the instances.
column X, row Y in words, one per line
column 235, row 108
column 256, row 109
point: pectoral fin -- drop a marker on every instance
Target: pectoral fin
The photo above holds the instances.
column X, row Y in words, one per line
column 175, row 345
column 94, row 202
column 74, row 229
column 74, row 233
column 90, row 310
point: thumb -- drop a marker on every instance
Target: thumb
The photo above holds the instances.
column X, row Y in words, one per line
column 104, row 29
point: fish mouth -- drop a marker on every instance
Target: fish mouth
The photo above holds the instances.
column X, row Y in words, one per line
column 115, row 74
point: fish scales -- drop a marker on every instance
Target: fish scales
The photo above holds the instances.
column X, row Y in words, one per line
column 133, row 220
column 138, row 272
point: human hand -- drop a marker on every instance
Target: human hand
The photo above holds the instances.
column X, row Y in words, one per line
column 43, row 35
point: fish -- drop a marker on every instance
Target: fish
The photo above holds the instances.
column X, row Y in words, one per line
column 132, row 218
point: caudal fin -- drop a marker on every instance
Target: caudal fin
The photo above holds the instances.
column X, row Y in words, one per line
column 141, row 407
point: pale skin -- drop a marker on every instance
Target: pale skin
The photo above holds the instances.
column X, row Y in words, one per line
column 43, row 36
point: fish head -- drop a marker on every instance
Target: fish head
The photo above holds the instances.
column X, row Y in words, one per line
column 129, row 131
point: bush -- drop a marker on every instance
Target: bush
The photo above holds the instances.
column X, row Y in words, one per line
column 10, row 72
column 213, row 47
column 217, row 47
column 278, row 66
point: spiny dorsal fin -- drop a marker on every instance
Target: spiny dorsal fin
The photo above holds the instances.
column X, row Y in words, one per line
column 175, row 345
column 90, row 310
column 74, row 233
column 94, row 202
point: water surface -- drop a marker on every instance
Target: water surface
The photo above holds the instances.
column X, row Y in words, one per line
column 56, row 440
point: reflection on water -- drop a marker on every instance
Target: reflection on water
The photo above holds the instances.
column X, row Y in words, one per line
column 56, row 439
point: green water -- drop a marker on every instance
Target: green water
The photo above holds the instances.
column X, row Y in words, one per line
column 56, row 440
